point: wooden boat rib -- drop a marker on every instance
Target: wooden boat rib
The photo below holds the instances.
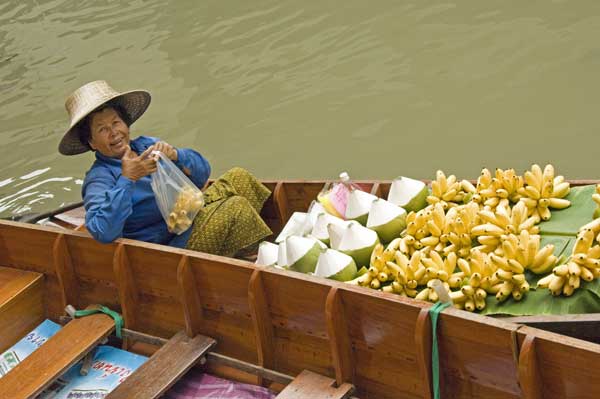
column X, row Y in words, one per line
column 289, row 322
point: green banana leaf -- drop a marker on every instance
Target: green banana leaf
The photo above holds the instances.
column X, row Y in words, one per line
column 539, row 302
column 561, row 230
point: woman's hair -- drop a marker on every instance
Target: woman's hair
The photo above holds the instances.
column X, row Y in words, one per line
column 85, row 129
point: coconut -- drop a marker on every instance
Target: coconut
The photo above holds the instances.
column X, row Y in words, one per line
column 314, row 210
column 408, row 193
column 282, row 256
column 358, row 242
column 302, row 253
column 267, row 254
column 387, row 219
column 298, row 225
column 320, row 231
column 359, row 204
column 335, row 265
column 336, row 232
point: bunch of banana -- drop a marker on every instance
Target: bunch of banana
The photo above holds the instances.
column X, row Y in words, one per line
column 423, row 230
column 509, row 183
column 378, row 273
column 501, row 222
column 433, row 228
column 438, row 268
column 470, row 296
column 584, row 263
column 457, row 236
column 408, row 273
column 484, row 194
column 480, row 263
column 493, row 191
column 596, row 198
column 429, row 294
column 542, row 191
column 520, row 253
column 446, row 190
column 512, row 278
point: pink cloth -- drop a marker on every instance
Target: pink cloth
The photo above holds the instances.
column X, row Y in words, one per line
column 195, row 385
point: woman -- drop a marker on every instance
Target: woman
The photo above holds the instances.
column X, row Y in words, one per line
column 117, row 195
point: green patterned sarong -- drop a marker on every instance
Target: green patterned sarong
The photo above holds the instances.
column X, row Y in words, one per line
column 230, row 221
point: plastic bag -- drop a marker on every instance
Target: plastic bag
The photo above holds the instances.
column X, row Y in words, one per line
column 335, row 199
column 178, row 199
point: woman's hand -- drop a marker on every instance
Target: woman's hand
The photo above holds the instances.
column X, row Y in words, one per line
column 135, row 166
column 165, row 148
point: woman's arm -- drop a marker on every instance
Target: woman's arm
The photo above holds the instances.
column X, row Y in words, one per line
column 194, row 165
column 108, row 204
column 191, row 162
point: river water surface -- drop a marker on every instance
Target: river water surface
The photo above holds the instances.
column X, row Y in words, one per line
column 306, row 89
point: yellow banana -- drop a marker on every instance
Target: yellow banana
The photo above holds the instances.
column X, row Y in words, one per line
column 559, row 203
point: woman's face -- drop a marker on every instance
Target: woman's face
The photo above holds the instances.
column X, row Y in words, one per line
column 109, row 134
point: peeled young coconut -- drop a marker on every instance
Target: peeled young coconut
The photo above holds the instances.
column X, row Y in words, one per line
column 336, row 232
column 358, row 242
column 267, row 254
column 314, row 210
column 320, row 231
column 387, row 219
column 302, row 253
column 282, row 256
column 335, row 265
column 408, row 193
column 359, row 205
column 298, row 225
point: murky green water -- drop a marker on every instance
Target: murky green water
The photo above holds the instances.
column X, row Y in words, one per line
column 295, row 89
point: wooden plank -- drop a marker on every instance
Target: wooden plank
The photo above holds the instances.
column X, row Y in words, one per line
column 476, row 356
column 164, row 368
column 192, row 308
column 566, row 366
column 127, row 287
column 423, row 337
column 341, row 346
column 582, row 326
column 65, row 272
column 382, row 328
column 55, row 356
column 376, row 189
column 529, row 376
column 155, row 274
column 29, row 247
column 93, row 266
column 74, row 217
column 296, row 306
column 281, row 203
column 222, row 285
column 261, row 320
column 309, row 385
column 21, row 304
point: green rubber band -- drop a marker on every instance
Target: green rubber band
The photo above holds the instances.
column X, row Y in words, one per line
column 434, row 312
column 103, row 309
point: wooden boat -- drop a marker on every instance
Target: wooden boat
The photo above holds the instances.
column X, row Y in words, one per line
column 272, row 325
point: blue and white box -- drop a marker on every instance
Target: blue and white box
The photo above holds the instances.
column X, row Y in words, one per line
column 27, row 345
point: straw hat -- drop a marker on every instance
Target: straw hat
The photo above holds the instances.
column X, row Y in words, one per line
column 91, row 96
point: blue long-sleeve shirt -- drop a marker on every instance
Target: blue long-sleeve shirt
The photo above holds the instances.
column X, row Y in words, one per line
column 117, row 206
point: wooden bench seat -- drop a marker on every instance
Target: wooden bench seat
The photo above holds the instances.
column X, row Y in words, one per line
column 309, row 385
column 164, row 368
column 55, row 356
column 21, row 304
